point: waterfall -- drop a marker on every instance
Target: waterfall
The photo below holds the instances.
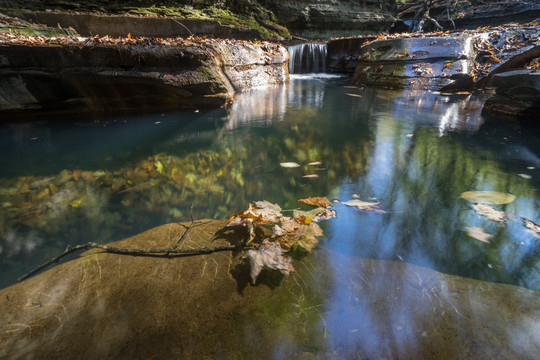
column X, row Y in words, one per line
column 307, row 58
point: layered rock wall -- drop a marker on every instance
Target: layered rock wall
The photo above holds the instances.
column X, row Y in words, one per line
column 104, row 73
column 330, row 18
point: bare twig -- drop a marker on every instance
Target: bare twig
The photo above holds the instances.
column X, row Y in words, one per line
column 132, row 252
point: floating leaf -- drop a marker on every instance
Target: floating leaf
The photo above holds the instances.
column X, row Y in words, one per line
column 315, row 163
column 319, row 201
column 478, row 234
column 489, row 212
column 316, row 215
column 310, row 176
column 364, row 205
column 530, row 225
column 270, row 256
column 488, row 197
column 289, row 164
column 354, row 95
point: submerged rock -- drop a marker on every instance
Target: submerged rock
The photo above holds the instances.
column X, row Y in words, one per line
column 102, row 305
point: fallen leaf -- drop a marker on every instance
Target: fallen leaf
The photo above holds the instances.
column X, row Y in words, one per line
column 315, row 163
column 310, row 176
column 319, row 201
column 354, row 95
column 488, row 197
column 530, row 225
column 269, row 256
column 489, row 212
column 75, row 203
column 478, row 234
column 159, row 167
column 268, row 211
column 289, row 164
column 364, row 205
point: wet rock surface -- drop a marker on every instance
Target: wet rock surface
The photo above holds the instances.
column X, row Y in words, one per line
column 116, row 306
column 446, row 61
column 517, row 94
column 106, row 73
column 470, row 14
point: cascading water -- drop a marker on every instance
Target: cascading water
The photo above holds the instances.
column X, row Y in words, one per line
column 307, row 58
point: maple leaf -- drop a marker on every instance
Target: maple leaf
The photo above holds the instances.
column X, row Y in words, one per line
column 269, row 256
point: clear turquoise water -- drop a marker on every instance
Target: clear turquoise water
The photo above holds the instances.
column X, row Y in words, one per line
column 74, row 178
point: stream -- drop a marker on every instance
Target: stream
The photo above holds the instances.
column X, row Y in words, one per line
column 72, row 178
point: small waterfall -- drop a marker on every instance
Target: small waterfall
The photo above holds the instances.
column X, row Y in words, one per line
column 307, row 58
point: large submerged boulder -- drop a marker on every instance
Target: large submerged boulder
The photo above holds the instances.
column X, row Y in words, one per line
column 103, row 305
column 126, row 73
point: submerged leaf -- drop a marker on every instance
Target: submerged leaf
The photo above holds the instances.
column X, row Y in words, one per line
column 319, row 201
column 488, row 197
column 489, row 212
column 478, row 234
column 289, row 164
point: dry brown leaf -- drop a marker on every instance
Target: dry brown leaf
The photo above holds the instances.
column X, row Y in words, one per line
column 489, row 213
column 269, row 256
column 319, row 201
column 530, row 225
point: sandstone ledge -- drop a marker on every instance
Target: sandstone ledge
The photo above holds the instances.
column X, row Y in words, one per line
column 106, row 73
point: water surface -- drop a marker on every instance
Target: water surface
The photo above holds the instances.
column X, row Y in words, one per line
column 77, row 178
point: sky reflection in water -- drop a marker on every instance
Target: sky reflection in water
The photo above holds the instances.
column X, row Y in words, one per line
column 414, row 152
